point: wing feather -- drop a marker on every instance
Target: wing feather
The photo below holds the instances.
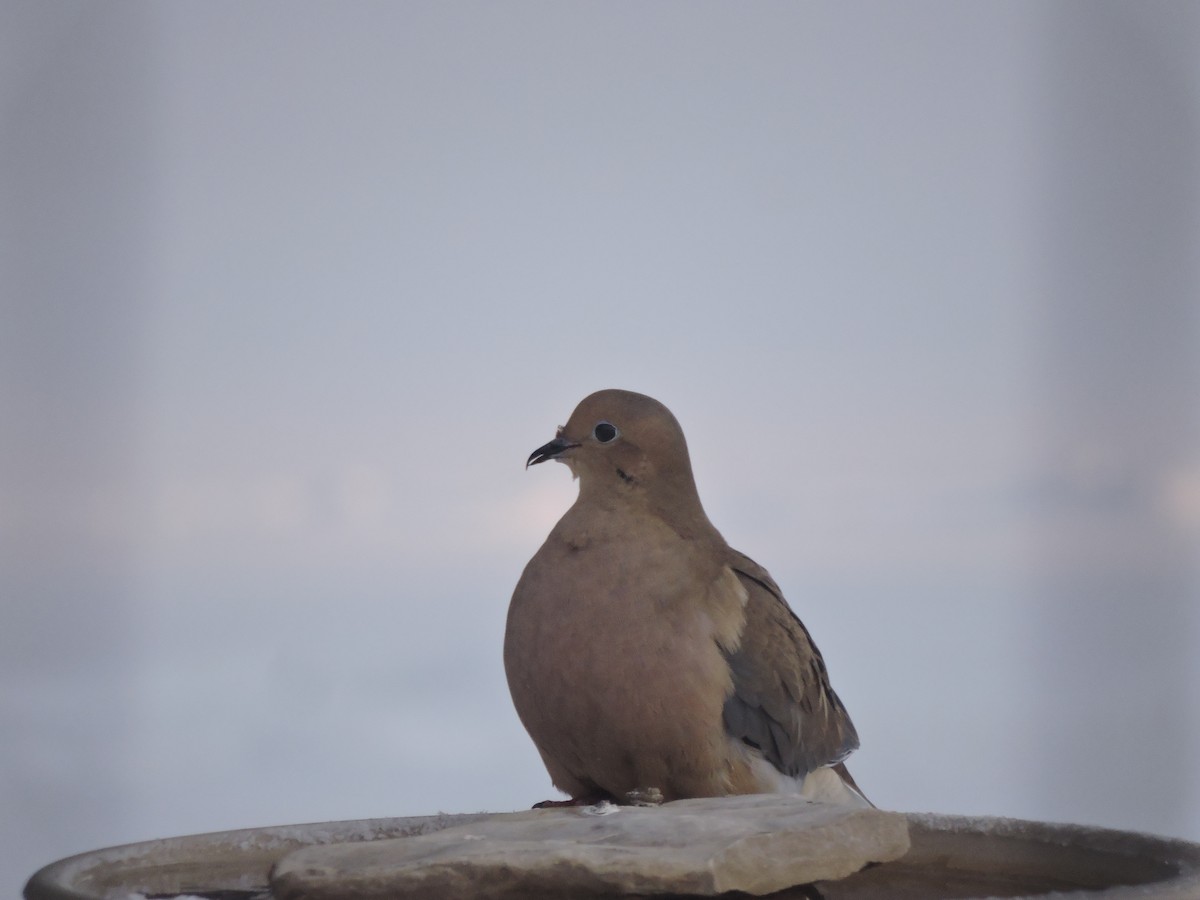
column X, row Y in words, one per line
column 782, row 702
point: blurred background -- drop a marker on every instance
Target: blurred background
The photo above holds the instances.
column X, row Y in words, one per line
column 291, row 290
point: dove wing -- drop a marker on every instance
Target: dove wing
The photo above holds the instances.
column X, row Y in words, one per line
column 782, row 702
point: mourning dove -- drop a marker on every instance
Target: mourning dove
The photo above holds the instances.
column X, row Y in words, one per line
column 644, row 655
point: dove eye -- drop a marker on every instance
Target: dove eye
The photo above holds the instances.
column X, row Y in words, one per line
column 605, row 432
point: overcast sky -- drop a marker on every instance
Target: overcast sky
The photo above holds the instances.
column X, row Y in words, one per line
column 291, row 290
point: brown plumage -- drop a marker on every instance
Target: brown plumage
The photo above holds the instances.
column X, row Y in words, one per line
column 642, row 652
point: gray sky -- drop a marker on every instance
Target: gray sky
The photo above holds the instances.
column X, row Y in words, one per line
column 290, row 291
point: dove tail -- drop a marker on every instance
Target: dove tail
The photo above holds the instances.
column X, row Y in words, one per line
column 848, row 780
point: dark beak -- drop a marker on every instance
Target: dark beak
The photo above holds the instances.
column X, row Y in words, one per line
column 552, row 450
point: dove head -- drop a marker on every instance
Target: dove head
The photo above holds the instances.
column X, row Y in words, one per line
column 627, row 446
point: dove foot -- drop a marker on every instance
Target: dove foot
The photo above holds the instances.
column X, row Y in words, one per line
column 644, row 797
column 581, row 800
